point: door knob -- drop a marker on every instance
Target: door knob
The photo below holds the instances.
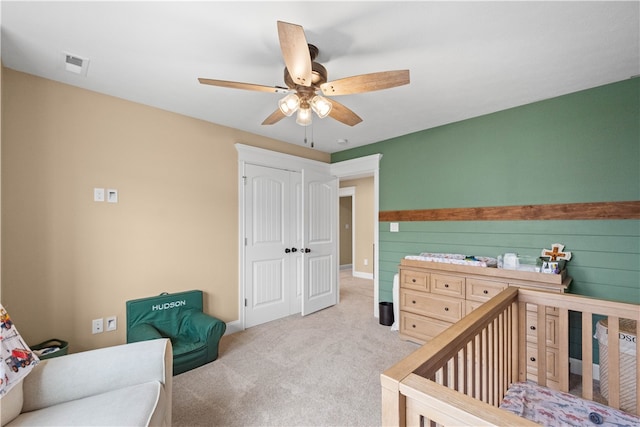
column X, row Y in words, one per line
column 307, row 250
column 287, row 250
column 294, row 249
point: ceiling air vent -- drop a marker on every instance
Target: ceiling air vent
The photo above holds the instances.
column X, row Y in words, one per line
column 76, row 64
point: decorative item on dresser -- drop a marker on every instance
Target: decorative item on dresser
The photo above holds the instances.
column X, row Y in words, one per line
column 435, row 295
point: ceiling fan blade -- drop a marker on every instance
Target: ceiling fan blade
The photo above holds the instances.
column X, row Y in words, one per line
column 295, row 52
column 275, row 117
column 366, row 83
column 344, row 115
column 245, row 86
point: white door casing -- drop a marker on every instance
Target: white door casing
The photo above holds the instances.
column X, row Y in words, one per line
column 360, row 168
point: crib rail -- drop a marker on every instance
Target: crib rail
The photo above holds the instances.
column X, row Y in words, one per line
column 461, row 376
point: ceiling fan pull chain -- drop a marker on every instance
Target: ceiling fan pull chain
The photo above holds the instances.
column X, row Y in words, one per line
column 312, row 135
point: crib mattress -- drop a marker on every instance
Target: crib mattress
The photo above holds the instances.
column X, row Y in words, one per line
column 553, row 408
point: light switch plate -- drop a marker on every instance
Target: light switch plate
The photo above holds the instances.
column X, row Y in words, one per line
column 112, row 323
column 112, row 196
column 394, row 227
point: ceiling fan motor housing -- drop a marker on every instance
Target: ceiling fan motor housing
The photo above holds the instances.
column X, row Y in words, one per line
column 318, row 76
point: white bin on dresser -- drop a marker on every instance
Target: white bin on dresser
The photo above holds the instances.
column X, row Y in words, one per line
column 628, row 359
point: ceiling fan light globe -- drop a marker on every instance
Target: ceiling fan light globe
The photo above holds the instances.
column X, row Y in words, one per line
column 304, row 117
column 321, row 105
column 289, row 104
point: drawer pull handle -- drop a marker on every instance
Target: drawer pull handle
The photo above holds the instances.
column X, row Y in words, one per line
column 446, row 285
column 413, row 302
column 413, row 280
column 485, row 292
column 533, row 328
column 413, row 326
column 446, row 309
column 533, row 359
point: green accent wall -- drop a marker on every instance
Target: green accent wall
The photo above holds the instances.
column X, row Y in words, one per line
column 580, row 147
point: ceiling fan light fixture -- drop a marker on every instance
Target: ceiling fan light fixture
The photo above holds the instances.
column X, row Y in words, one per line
column 289, row 104
column 321, row 105
column 304, row 116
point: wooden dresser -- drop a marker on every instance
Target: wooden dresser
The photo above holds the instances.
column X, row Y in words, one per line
column 435, row 295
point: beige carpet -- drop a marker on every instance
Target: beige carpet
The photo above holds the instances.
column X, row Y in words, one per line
column 319, row 370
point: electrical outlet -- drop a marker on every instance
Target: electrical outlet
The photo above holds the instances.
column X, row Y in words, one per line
column 366, row 261
column 98, row 194
column 97, row 326
column 112, row 323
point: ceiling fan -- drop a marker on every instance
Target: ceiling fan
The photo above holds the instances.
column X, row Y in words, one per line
column 305, row 78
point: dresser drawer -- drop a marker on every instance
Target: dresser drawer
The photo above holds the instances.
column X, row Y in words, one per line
column 552, row 363
column 441, row 307
column 483, row 290
column 550, row 310
column 447, row 285
column 416, row 280
column 419, row 327
column 471, row 305
column 551, row 329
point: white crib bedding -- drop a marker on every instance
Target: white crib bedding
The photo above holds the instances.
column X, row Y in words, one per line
column 553, row 408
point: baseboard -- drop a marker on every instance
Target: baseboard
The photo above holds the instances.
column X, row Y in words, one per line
column 346, row 267
column 362, row 275
column 575, row 367
column 233, row 327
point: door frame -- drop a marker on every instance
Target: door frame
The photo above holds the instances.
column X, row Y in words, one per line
column 351, row 193
column 268, row 158
column 364, row 167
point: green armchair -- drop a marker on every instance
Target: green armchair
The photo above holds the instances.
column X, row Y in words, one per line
column 194, row 335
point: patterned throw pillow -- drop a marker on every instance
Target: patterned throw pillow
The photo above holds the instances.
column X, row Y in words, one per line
column 16, row 358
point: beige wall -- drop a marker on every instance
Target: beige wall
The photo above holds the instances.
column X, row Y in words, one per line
column 346, row 231
column 67, row 259
column 364, row 232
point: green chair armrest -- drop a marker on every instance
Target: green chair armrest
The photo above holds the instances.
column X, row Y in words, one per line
column 143, row 332
column 207, row 328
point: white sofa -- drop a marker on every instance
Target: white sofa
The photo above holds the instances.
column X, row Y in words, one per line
column 124, row 385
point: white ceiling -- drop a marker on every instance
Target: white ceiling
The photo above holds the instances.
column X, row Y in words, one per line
column 466, row 58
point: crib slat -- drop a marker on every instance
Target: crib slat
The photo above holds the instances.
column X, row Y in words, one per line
column 455, row 374
column 542, row 347
column 513, row 341
column 491, row 372
column 484, row 374
column 472, row 359
column 563, row 347
column 464, row 368
column 587, row 356
column 522, row 344
column 614, row 361
column 637, row 369
column 501, row 358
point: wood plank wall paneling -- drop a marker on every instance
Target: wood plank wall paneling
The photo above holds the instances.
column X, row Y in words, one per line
column 564, row 211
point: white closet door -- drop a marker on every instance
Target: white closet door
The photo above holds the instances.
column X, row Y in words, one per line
column 320, row 201
column 269, row 260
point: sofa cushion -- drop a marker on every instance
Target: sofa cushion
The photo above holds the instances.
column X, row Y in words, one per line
column 137, row 405
column 11, row 404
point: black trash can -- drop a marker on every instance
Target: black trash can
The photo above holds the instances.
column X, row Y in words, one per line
column 386, row 313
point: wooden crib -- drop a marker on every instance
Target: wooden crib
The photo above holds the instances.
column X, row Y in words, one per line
column 461, row 376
